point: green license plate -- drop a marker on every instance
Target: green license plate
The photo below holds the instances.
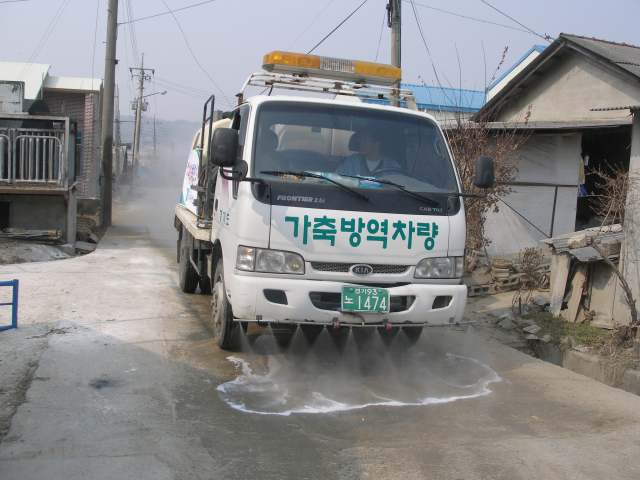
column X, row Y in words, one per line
column 365, row 299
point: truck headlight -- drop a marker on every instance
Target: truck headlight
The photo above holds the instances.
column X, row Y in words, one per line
column 440, row 267
column 270, row 261
column 246, row 258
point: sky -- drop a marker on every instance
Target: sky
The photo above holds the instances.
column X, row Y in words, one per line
column 212, row 48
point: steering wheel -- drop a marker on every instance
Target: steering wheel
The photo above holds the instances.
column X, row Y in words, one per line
column 382, row 171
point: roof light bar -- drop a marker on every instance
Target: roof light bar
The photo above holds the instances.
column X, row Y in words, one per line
column 329, row 67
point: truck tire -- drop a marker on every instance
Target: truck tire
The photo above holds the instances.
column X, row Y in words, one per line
column 187, row 275
column 225, row 331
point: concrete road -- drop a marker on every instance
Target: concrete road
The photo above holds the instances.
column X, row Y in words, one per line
column 131, row 385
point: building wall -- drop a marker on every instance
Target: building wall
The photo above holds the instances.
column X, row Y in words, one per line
column 90, row 147
column 568, row 91
column 83, row 108
column 550, row 163
column 37, row 212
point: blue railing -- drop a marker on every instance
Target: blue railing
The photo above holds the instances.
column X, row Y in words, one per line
column 13, row 303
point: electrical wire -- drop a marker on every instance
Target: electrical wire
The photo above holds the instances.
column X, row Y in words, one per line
column 467, row 17
column 314, row 20
column 365, row 1
column 514, row 20
column 95, row 38
column 384, row 17
column 167, row 13
column 132, row 36
column 194, row 56
column 45, row 37
column 415, row 13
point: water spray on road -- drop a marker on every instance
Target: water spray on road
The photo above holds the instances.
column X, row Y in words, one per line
column 329, row 376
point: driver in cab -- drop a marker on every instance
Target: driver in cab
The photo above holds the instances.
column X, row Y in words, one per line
column 369, row 159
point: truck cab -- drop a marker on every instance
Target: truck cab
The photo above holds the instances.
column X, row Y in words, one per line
column 330, row 213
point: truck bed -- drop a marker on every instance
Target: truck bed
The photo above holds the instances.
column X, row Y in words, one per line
column 190, row 221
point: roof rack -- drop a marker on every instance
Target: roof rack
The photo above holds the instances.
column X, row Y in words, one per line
column 331, row 87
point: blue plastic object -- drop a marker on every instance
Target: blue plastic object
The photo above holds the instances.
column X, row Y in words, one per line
column 14, row 304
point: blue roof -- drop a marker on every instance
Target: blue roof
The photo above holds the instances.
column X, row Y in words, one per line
column 442, row 99
column 537, row 48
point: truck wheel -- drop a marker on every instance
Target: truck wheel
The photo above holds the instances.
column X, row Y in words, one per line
column 225, row 330
column 413, row 334
column 205, row 285
column 187, row 275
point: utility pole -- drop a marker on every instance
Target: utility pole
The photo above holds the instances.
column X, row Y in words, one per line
column 155, row 161
column 394, row 22
column 106, row 140
column 136, row 139
column 117, row 137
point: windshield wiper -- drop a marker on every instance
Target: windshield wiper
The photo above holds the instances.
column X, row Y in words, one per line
column 430, row 201
column 314, row 175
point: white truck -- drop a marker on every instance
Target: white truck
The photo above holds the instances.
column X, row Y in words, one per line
column 313, row 213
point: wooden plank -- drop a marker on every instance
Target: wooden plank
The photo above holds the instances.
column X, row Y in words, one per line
column 554, row 269
column 577, row 286
column 559, row 282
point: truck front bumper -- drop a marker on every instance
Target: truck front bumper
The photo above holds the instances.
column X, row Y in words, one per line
column 318, row 301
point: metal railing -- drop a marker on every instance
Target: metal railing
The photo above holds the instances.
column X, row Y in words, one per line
column 34, row 155
column 13, row 303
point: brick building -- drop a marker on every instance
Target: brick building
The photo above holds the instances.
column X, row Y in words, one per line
column 80, row 99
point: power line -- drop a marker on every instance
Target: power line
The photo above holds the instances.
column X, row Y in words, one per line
column 415, row 13
column 365, row 1
column 467, row 17
column 514, row 20
column 185, row 87
column 194, row 56
column 166, row 13
column 132, row 35
column 384, row 17
column 45, row 37
column 308, row 26
column 95, row 38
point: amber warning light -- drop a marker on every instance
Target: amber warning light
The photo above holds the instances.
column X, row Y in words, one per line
column 329, row 67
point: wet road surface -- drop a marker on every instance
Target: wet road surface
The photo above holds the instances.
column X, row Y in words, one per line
column 132, row 385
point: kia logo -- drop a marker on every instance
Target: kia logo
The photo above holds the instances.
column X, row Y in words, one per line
column 361, row 269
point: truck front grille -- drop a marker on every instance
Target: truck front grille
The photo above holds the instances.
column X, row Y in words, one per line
column 344, row 268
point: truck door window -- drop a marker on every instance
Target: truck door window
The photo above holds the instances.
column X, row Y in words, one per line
column 239, row 122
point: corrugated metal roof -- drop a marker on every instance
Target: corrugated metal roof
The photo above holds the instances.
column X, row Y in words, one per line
column 623, row 55
column 535, row 48
column 570, row 124
column 73, row 84
column 32, row 74
column 441, row 99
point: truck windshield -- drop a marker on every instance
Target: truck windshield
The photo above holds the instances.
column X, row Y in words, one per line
column 341, row 143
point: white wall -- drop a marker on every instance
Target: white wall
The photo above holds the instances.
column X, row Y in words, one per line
column 548, row 160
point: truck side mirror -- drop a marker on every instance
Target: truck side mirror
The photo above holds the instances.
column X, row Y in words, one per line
column 224, row 147
column 485, row 176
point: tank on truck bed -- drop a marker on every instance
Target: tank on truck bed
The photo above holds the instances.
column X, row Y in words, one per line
column 324, row 213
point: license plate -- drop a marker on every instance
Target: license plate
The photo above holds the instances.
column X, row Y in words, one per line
column 365, row 299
